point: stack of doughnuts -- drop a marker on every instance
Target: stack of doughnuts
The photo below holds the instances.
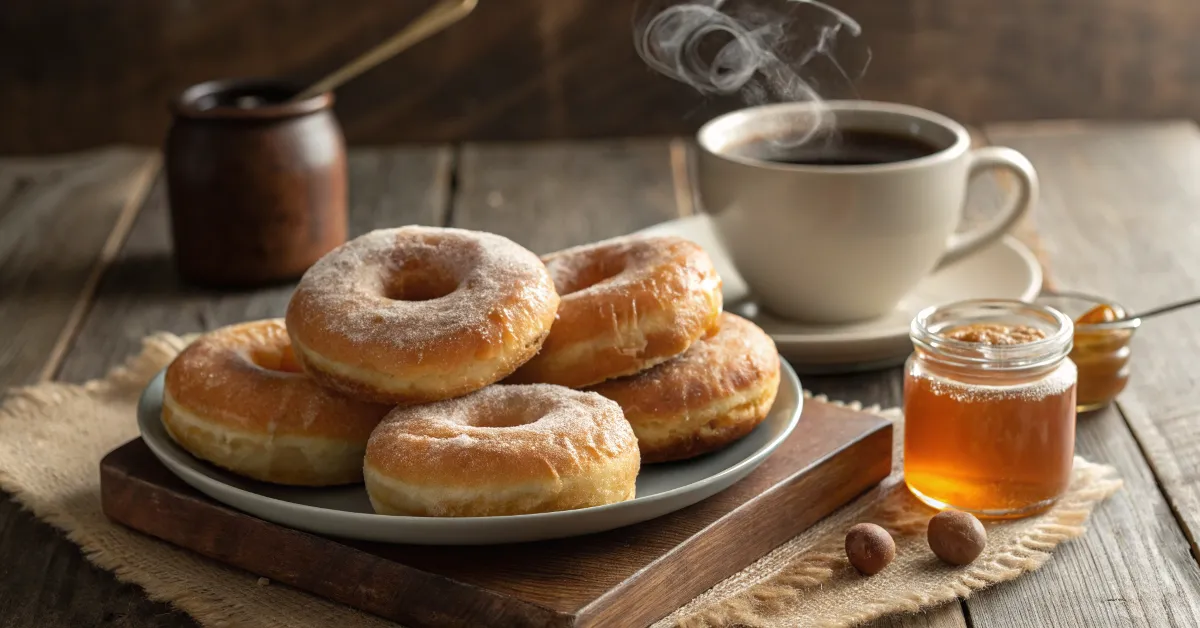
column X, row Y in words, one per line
column 457, row 374
column 641, row 323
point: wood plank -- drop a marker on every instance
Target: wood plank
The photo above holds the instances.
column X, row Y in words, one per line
column 45, row 579
column 625, row 577
column 80, row 73
column 945, row 616
column 554, row 195
column 142, row 294
column 1118, row 218
column 1132, row 568
column 61, row 220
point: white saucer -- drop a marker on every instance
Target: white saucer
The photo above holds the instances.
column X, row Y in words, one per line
column 345, row 511
column 1004, row 270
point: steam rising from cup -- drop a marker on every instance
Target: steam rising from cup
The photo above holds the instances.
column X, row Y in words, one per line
column 717, row 53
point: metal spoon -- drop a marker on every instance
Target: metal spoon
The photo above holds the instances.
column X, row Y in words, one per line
column 1170, row 307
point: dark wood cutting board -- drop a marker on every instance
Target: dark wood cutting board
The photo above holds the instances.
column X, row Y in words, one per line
column 626, row 577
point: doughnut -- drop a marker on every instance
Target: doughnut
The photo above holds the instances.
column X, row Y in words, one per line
column 703, row 400
column 419, row 314
column 503, row 450
column 236, row 398
column 627, row 304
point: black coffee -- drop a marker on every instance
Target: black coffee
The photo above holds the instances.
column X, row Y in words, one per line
column 848, row 147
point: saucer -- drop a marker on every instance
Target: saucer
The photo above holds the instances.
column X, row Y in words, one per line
column 1004, row 270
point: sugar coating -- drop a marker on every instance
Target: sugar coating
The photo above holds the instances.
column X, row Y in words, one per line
column 739, row 356
column 622, row 255
column 544, row 408
column 498, row 428
column 1055, row 383
column 216, row 377
column 499, row 288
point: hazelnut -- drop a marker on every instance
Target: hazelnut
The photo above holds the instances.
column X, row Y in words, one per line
column 870, row 548
column 956, row 537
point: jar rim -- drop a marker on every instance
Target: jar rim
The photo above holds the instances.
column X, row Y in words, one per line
column 1047, row 298
column 925, row 332
column 190, row 103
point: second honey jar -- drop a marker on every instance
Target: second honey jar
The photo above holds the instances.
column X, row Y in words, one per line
column 989, row 404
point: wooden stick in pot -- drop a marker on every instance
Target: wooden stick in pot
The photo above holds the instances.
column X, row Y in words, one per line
column 433, row 21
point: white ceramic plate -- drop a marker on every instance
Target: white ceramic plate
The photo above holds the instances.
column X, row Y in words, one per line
column 345, row 511
column 1004, row 270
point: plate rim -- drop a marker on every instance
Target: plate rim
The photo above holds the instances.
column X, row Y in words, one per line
column 163, row 452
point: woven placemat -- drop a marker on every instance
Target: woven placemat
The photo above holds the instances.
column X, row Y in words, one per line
column 55, row 434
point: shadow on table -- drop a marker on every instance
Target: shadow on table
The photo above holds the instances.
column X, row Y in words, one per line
column 153, row 274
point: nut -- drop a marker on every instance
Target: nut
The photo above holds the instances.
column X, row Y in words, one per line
column 956, row 537
column 870, row 548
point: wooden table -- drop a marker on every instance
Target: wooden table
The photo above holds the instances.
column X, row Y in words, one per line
column 85, row 272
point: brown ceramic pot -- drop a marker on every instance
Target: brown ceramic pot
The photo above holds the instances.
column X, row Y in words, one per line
column 257, row 186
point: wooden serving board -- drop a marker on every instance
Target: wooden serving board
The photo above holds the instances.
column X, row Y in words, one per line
column 626, row 577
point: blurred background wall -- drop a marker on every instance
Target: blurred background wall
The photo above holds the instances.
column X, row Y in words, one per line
column 79, row 73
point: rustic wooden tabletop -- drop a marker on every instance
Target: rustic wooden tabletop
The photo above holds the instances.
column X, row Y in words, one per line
column 85, row 273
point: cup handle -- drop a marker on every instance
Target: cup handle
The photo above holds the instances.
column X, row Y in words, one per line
column 987, row 158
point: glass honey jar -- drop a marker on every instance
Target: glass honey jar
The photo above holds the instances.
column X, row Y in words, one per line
column 1102, row 348
column 989, row 405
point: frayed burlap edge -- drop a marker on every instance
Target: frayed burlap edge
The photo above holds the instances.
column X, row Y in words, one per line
column 62, row 488
column 805, row 570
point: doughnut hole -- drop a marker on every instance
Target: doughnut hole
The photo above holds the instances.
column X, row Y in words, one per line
column 281, row 359
column 419, row 282
column 510, row 412
column 595, row 271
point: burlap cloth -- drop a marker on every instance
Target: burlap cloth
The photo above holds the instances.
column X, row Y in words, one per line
column 53, row 436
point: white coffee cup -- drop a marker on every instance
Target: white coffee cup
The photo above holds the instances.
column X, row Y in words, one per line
column 842, row 243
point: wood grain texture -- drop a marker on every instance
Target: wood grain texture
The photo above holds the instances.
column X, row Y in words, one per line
column 945, row 616
column 142, row 293
column 553, row 195
column 1132, row 568
column 1118, row 218
column 626, row 577
column 61, row 220
column 44, row 579
column 82, row 74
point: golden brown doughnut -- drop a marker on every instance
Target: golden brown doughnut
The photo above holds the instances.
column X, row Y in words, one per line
column 417, row 314
column 627, row 304
column 503, row 450
column 236, row 398
column 706, row 398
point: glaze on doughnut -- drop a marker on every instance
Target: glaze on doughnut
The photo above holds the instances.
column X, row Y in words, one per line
column 503, row 450
column 236, row 398
column 627, row 304
column 418, row 314
column 705, row 399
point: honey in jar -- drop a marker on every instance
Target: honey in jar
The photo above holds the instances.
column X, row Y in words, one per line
column 1102, row 346
column 1102, row 355
column 989, row 404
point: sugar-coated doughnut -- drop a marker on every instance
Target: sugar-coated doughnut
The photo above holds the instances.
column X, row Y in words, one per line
column 503, row 450
column 627, row 304
column 705, row 399
column 236, row 398
column 418, row 314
